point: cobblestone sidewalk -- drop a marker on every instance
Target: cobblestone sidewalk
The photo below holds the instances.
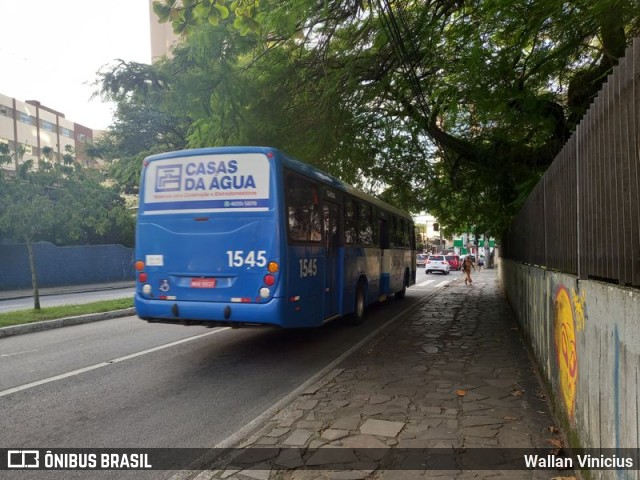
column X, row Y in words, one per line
column 454, row 374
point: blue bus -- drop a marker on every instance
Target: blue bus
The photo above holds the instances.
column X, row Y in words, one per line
column 250, row 236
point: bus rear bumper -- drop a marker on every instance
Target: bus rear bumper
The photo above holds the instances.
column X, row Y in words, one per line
column 209, row 313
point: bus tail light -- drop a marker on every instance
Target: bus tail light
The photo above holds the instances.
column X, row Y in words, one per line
column 273, row 267
column 142, row 276
column 269, row 280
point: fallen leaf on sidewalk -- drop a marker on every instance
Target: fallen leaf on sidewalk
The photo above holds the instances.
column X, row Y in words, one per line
column 564, row 478
column 554, row 442
column 553, row 429
column 461, row 393
column 517, row 393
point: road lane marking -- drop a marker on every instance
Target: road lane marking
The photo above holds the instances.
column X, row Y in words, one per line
column 425, row 283
column 18, row 353
column 442, row 283
column 106, row 364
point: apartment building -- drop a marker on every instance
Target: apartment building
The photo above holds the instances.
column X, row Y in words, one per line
column 162, row 37
column 36, row 126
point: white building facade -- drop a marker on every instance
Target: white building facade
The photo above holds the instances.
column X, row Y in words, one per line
column 162, row 37
column 35, row 127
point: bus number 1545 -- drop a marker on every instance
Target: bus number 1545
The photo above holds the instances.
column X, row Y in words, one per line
column 308, row 267
column 237, row 258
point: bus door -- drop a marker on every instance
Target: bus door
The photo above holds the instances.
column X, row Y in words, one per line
column 330, row 213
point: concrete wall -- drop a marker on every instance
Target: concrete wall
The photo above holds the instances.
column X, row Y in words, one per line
column 57, row 266
column 585, row 335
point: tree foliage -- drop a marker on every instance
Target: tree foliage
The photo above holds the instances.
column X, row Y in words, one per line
column 455, row 107
column 145, row 122
column 183, row 15
column 57, row 200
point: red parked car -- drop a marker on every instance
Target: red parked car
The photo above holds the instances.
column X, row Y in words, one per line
column 454, row 261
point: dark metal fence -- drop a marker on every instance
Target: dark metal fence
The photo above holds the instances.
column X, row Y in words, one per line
column 583, row 217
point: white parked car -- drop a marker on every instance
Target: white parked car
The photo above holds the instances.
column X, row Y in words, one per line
column 437, row 263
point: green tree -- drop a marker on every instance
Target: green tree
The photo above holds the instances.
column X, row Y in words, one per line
column 183, row 15
column 144, row 121
column 58, row 201
column 452, row 107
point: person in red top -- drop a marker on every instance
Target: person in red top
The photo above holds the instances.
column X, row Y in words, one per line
column 467, row 265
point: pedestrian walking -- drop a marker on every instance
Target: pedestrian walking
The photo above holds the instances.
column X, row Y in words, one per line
column 467, row 265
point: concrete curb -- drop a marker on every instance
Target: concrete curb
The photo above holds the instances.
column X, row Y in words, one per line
column 63, row 322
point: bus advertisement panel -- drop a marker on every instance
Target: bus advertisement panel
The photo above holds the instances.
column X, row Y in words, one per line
column 207, row 183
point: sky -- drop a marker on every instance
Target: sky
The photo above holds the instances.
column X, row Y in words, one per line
column 50, row 51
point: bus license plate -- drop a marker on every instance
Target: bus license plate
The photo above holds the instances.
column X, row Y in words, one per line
column 203, row 283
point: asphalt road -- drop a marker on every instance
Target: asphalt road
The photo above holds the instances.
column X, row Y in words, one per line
column 124, row 383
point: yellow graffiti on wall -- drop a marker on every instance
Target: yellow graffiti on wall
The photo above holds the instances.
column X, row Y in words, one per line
column 567, row 353
column 578, row 300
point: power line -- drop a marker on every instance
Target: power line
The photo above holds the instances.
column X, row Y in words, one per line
column 407, row 59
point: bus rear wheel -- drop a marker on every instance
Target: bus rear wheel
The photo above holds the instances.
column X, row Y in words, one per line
column 360, row 306
column 401, row 293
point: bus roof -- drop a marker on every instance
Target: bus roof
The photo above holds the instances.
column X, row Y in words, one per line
column 311, row 171
column 289, row 162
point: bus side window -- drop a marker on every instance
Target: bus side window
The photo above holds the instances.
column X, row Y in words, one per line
column 393, row 236
column 404, row 228
column 375, row 227
column 303, row 211
column 365, row 230
column 316, row 220
column 349, row 222
column 297, row 228
column 412, row 236
column 330, row 228
column 384, row 234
